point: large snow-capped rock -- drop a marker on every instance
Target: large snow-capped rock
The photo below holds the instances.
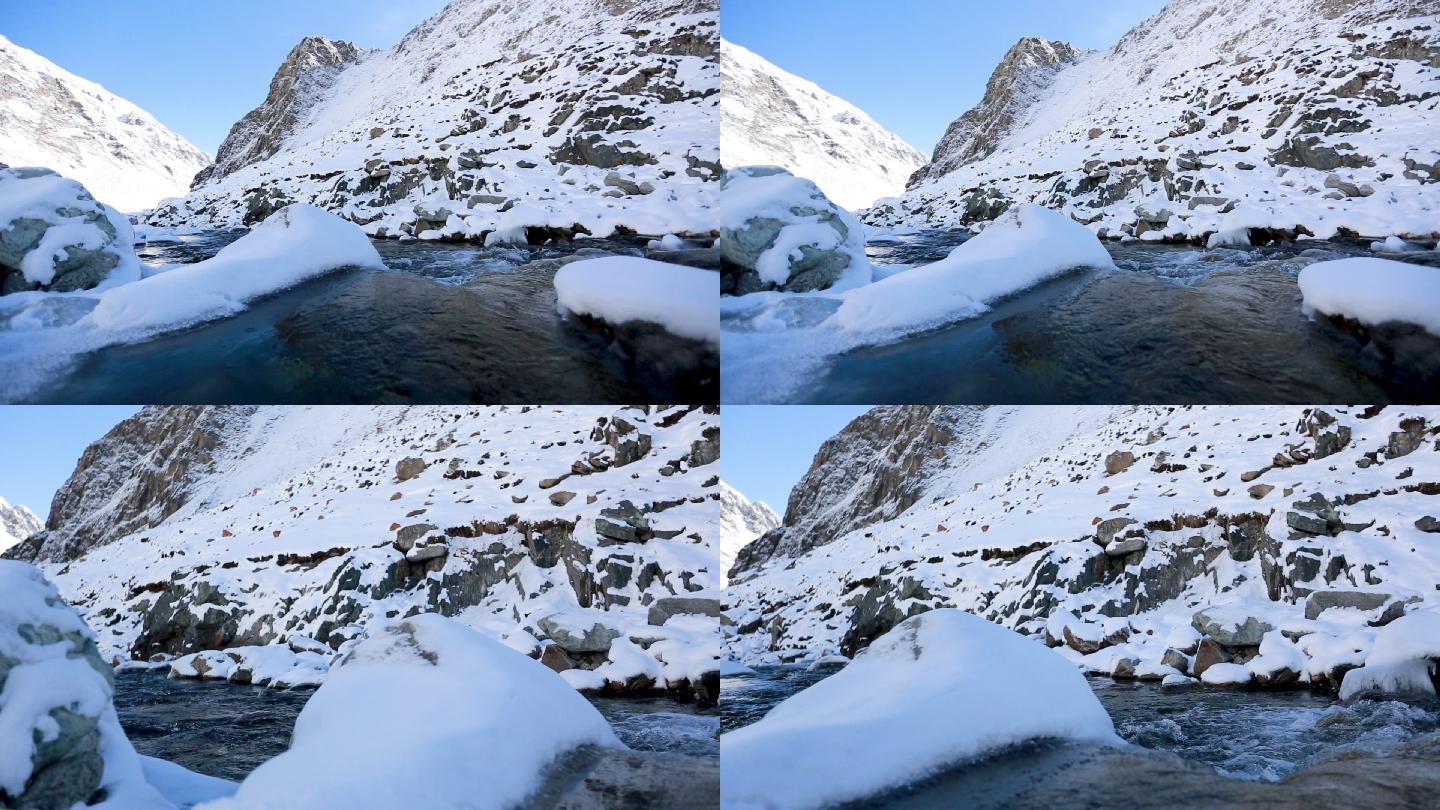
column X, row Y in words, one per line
column 1151, row 542
column 769, row 117
column 17, row 522
column 56, row 237
column 585, row 535
column 52, row 118
column 741, row 521
column 491, row 119
column 1212, row 117
column 938, row 690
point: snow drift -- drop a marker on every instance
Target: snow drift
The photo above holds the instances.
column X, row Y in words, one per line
column 620, row 289
column 1374, row 291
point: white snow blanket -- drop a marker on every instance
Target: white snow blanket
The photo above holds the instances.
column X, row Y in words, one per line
column 619, row 289
column 425, row 712
column 1374, row 291
column 941, row 688
column 1401, row 660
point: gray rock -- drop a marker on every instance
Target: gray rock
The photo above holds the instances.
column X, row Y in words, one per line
column 1347, row 188
column 663, row 609
column 421, row 554
column 1176, row 659
column 1118, row 462
column 1320, row 601
column 407, row 536
column 1106, row 530
column 561, row 498
column 594, row 640
column 1129, row 545
column 814, row 269
column 1428, row 523
column 409, row 467
column 1247, row 634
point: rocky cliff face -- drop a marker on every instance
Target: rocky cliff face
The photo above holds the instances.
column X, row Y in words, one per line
column 741, row 521
column 1019, row 81
column 192, row 529
column 1214, row 118
column 54, row 119
column 1116, row 525
column 492, row 117
column 132, row 479
column 310, row 69
column 769, row 117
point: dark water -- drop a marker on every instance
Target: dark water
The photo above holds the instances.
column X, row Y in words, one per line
column 227, row 730
column 1176, row 324
column 1253, row 736
column 446, row 323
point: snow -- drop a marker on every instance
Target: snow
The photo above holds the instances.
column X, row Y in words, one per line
column 184, row 788
column 295, row 244
column 769, row 117
column 741, row 521
column 1374, row 291
column 731, row 669
column 1226, row 675
column 940, row 688
column 1012, row 477
column 273, row 665
column 1392, row 244
column 1025, row 246
column 121, row 153
column 426, row 697
column 620, row 289
column 1402, row 659
column 45, row 677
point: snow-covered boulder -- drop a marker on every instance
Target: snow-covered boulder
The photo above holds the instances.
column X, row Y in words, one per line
column 625, row 289
column 940, row 688
column 780, row 232
column 275, row 665
column 426, row 712
column 1374, row 291
column 1404, row 659
column 295, row 244
column 54, row 236
column 1023, row 247
column 61, row 744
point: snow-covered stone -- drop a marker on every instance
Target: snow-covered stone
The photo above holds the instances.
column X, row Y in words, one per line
column 940, row 688
column 1404, row 660
column 426, row 696
column 626, row 289
column 54, row 236
column 1374, row 291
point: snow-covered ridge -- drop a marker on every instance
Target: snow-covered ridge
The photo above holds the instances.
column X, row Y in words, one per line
column 1143, row 541
column 771, row 117
column 741, row 521
column 54, row 119
column 590, row 529
column 491, row 119
column 17, row 522
column 1213, row 117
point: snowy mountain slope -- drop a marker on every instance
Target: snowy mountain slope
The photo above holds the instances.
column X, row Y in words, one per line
column 741, row 521
column 17, row 523
column 1122, row 523
column 1212, row 117
column 255, row 525
column 52, row 118
column 492, row 117
column 769, row 117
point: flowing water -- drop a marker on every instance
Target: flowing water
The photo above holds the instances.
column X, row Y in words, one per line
column 1245, row 735
column 227, row 730
column 445, row 323
column 1175, row 323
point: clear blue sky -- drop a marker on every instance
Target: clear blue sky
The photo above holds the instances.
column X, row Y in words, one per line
column 767, row 448
column 916, row 65
column 39, row 445
column 197, row 65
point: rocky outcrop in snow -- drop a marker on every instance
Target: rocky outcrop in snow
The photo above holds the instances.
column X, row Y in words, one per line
column 52, row 118
column 582, row 536
column 769, row 117
column 54, row 236
column 493, row 120
column 1215, row 120
column 1237, row 545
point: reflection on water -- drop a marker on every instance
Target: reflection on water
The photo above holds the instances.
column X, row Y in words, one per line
column 1177, row 323
column 445, row 323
